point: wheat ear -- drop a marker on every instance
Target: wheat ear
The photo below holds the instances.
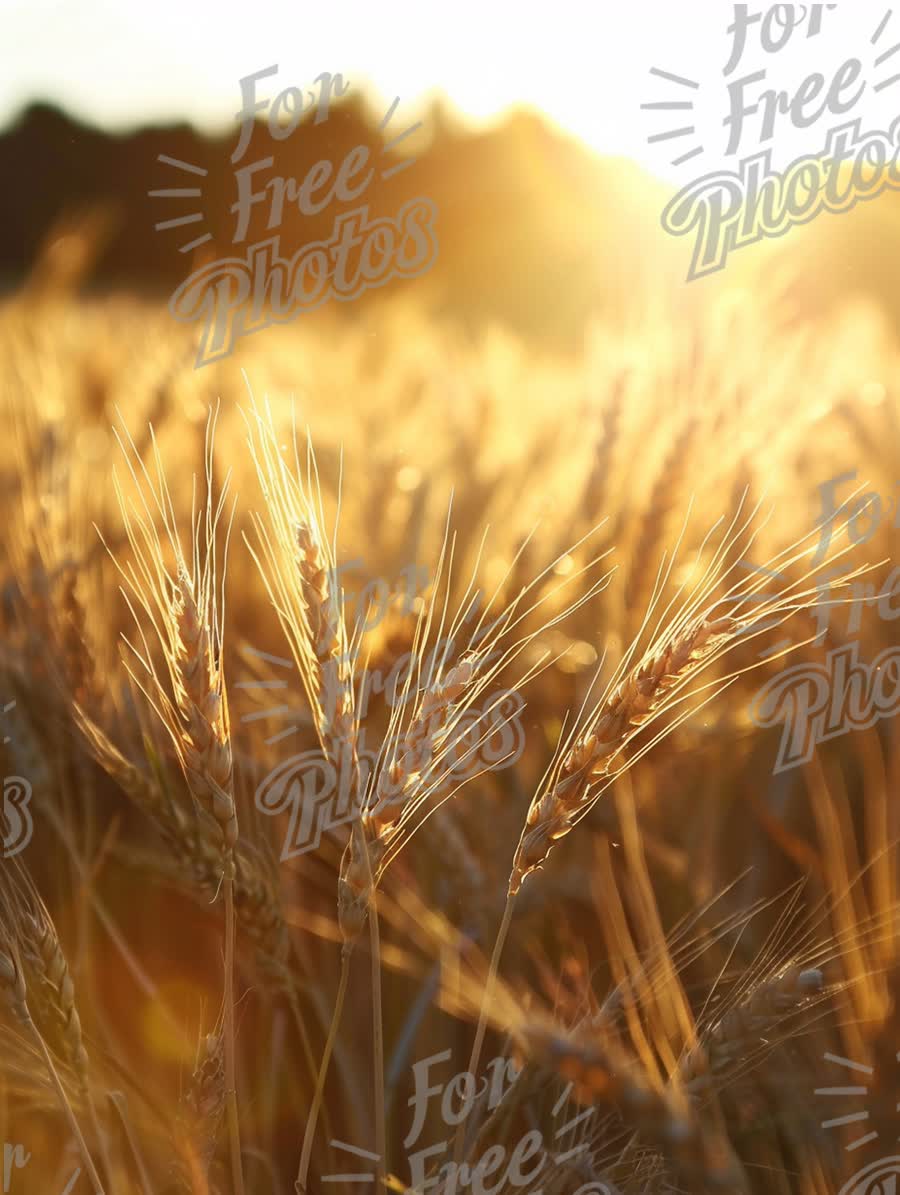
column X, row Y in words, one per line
column 186, row 613
column 201, row 1113
column 12, row 984
column 640, row 695
column 683, row 647
column 200, row 857
column 750, row 1024
column 207, row 758
column 552, row 814
column 55, row 993
column 602, row 1074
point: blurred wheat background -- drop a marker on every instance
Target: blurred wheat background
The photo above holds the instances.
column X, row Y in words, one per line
column 587, row 468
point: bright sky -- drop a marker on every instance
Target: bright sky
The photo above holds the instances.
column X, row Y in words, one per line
column 585, row 63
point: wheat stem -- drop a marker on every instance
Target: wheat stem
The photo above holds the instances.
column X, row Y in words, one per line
column 309, row 1135
column 234, row 1129
column 481, row 1027
column 308, row 1058
column 66, row 1106
column 97, row 1131
column 118, row 1103
column 381, row 1166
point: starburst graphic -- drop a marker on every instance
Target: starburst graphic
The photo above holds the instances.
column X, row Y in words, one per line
column 883, row 58
column 10, row 705
column 182, row 193
column 566, row 1155
column 851, row 1090
column 357, row 1153
column 878, row 1177
column 298, row 716
column 569, row 1125
column 679, row 105
column 389, row 146
column 756, row 628
column 196, row 192
column 679, row 99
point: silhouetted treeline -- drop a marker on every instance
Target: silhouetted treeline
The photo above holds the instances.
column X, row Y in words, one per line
column 532, row 228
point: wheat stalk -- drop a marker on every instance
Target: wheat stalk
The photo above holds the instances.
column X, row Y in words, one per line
column 639, row 693
column 186, row 613
column 600, row 1073
column 201, row 1111
column 632, row 704
column 54, row 993
column 14, row 991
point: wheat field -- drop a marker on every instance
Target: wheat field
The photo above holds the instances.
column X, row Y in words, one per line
column 403, row 812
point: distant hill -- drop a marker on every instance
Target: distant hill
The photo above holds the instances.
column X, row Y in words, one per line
column 533, row 229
